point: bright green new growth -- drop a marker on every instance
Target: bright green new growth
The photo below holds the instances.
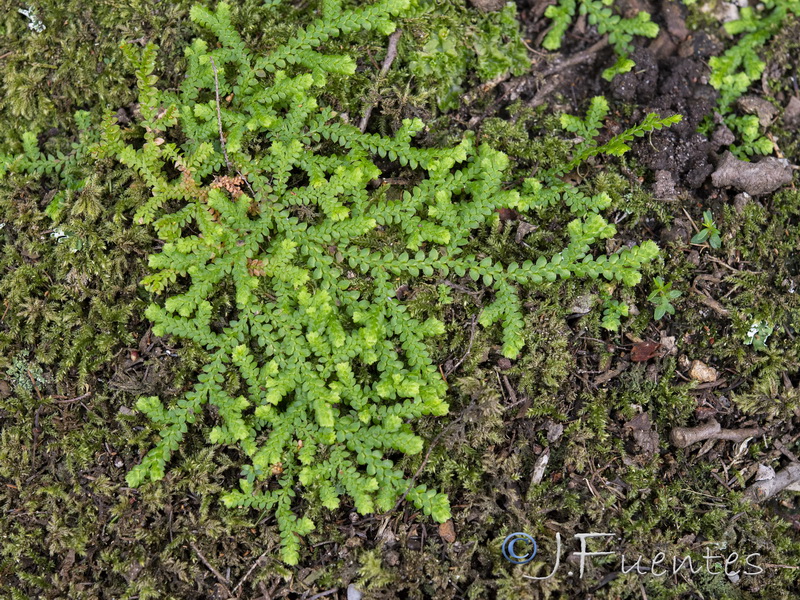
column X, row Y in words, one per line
column 620, row 31
column 589, row 128
column 315, row 368
column 662, row 296
column 613, row 312
column 737, row 68
column 709, row 232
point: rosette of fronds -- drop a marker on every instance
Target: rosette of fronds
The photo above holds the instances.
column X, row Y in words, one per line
column 262, row 198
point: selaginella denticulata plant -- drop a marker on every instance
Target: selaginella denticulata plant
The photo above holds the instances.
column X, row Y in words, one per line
column 319, row 370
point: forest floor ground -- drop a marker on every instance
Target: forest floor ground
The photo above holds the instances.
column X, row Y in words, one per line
column 573, row 437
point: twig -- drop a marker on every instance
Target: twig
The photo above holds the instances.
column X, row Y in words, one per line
column 36, row 431
column 325, row 593
column 64, row 400
column 33, row 383
column 548, row 86
column 766, row 489
column 246, row 575
column 542, row 94
column 682, row 437
column 219, row 113
column 469, row 348
column 576, row 59
column 461, row 288
column 208, row 565
column 785, row 451
column 610, row 374
column 391, row 54
column 511, row 393
column 425, row 460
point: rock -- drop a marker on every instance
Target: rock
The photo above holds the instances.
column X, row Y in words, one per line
column 765, row 473
column 554, row 431
column 645, row 439
column 754, row 105
column 723, row 136
column 740, row 201
column 488, row 5
column 678, row 232
column 668, row 345
column 726, row 12
column 675, row 22
column 540, row 466
column 664, row 187
column 353, row 593
column 756, row 179
column 583, row 304
column 699, row 371
column 791, row 114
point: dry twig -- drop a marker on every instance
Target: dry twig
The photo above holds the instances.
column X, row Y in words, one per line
column 219, row 114
column 391, row 54
column 682, row 437
column 223, row 580
column 767, row 488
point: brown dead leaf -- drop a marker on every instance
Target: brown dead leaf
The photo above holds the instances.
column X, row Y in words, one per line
column 644, row 351
column 447, row 531
column 507, row 214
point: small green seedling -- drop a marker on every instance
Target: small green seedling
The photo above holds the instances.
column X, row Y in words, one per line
column 709, row 233
column 613, row 311
column 662, row 296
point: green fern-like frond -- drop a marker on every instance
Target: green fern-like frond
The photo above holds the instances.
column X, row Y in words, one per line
column 599, row 13
column 588, row 129
column 317, row 370
column 734, row 71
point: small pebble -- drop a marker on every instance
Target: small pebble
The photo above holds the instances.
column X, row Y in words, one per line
column 699, row 371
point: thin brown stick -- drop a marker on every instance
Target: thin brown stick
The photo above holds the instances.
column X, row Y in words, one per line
column 576, row 59
column 33, row 383
column 246, row 575
column 63, row 400
column 219, row 113
column 425, row 460
column 325, row 593
column 209, row 566
column 542, row 94
column 391, row 54
column 469, row 348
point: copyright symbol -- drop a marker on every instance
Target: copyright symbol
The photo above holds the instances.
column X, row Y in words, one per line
column 516, row 555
